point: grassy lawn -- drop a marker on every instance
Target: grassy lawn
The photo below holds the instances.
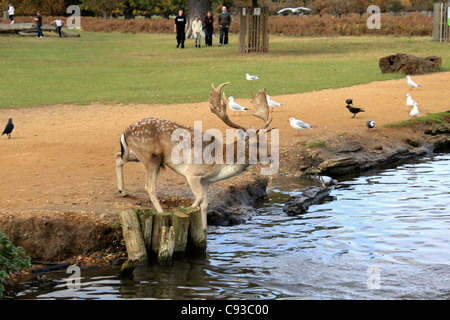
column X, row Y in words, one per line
column 147, row 68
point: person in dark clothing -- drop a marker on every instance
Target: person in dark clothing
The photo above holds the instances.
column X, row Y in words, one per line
column 38, row 20
column 180, row 28
column 224, row 23
column 208, row 22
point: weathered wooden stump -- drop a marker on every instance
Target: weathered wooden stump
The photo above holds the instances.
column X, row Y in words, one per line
column 134, row 241
column 160, row 220
column 167, row 243
column 409, row 64
column 181, row 221
column 160, row 233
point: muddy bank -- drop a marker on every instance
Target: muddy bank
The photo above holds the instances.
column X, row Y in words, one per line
column 51, row 237
column 354, row 153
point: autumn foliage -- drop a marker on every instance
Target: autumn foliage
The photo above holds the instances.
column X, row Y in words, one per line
column 414, row 24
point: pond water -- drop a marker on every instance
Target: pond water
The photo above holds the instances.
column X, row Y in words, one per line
column 382, row 235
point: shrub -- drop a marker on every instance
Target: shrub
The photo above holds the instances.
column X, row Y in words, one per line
column 12, row 259
column 414, row 24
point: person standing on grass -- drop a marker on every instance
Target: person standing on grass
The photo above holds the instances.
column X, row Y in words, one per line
column 224, row 23
column 38, row 20
column 196, row 30
column 209, row 28
column 11, row 13
column 180, row 28
column 59, row 23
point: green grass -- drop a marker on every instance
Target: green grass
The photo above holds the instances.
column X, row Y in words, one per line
column 147, row 68
column 320, row 144
column 440, row 118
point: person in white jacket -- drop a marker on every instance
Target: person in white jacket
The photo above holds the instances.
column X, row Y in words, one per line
column 11, row 13
column 196, row 30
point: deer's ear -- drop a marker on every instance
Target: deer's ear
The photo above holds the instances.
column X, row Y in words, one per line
column 242, row 135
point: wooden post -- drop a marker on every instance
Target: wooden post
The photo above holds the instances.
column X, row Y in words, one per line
column 197, row 236
column 166, row 245
column 134, row 242
column 181, row 221
column 254, row 30
column 146, row 221
column 160, row 219
column 441, row 28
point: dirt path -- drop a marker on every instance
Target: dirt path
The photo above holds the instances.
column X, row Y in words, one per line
column 61, row 157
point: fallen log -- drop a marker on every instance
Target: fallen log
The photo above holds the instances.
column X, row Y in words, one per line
column 27, row 29
column 299, row 204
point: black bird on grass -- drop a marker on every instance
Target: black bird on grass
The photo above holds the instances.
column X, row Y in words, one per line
column 9, row 128
column 354, row 110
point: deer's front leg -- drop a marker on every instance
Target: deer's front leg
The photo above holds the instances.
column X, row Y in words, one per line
column 200, row 191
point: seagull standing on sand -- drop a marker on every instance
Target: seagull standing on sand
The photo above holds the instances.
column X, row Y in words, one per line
column 250, row 77
column 272, row 103
column 234, row 106
column 415, row 111
column 9, row 128
column 299, row 125
column 411, row 83
column 409, row 101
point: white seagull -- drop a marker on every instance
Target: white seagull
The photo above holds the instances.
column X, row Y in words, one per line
column 411, row 83
column 409, row 101
column 370, row 124
column 272, row 103
column 250, row 77
column 415, row 111
column 299, row 125
column 234, row 106
column 326, row 181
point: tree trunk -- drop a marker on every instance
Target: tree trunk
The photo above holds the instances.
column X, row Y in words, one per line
column 196, row 7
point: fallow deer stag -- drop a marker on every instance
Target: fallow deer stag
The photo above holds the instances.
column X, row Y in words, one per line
column 150, row 142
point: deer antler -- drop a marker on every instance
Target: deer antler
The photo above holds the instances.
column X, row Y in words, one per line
column 219, row 107
column 262, row 108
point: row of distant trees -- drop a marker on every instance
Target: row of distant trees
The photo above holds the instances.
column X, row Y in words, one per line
column 130, row 8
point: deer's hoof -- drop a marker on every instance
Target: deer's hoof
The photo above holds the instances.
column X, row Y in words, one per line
column 123, row 193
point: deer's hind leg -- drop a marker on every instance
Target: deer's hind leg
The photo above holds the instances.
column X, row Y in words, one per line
column 152, row 171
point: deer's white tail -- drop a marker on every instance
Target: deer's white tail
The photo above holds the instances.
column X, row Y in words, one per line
column 124, row 150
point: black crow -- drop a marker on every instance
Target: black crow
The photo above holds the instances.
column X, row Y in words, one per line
column 9, row 128
column 354, row 110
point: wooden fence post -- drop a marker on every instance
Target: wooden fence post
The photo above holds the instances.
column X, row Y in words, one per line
column 254, row 30
column 441, row 28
